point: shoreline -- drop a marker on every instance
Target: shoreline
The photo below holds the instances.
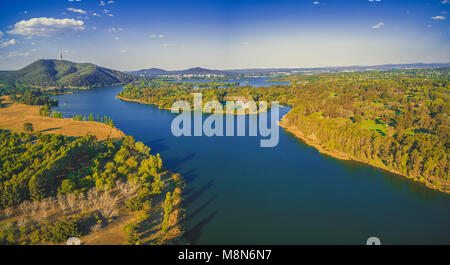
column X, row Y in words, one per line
column 343, row 156
column 145, row 103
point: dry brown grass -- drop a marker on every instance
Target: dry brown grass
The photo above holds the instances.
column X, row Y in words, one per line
column 14, row 115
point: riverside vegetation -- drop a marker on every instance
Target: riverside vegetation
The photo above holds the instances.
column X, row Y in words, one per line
column 395, row 120
column 53, row 187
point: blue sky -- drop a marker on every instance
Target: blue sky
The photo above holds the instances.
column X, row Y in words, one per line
column 227, row 34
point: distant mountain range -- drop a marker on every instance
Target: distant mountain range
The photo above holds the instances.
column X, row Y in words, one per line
column 56, row 73
column 51, row 73
column 191, row 71
column 202, row 71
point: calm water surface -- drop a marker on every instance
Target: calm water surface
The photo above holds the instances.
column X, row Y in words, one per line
column 239, row 193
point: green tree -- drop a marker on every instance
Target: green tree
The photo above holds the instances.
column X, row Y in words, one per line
column 28, row 127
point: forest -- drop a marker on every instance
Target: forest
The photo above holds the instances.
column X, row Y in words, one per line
column 55, row 187
column 29, row 95
column 396, row 120
column 165, row 93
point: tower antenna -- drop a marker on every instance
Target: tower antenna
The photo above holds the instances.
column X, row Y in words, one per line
column 60, row 53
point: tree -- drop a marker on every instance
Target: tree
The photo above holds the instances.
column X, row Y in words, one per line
column 28, row 127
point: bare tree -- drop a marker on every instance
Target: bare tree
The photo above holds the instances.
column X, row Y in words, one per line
column 96, row 228
column 61, row 199
column 26, row 207
column 22, row 222
column 127, row 189
column 34, row 207
column 106, row 204
column 71, row 201
column 83, row 204
column 8, row 212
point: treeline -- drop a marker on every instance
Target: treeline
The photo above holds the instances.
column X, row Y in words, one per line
column 106, row 120
column 28, row 95
column 397, row 120
column 164, row 94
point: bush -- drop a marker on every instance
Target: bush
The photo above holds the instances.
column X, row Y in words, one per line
column 59, row 231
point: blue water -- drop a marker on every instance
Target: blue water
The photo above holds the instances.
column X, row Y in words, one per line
column 239, row 193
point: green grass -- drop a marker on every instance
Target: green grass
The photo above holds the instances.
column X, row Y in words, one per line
column 374, row 126
column 316, row 115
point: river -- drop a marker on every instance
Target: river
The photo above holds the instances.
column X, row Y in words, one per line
column 239, row 193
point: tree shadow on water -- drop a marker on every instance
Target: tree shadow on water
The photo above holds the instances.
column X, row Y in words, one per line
column 188, row 176
column 201, row 208
column 192, row 194
column 193, row 234
column 157, row 145
column 174, row 163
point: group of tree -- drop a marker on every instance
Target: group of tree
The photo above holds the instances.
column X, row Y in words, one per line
column 165, row 93
column 38, row 172
column 106, row 120
column 398, row 120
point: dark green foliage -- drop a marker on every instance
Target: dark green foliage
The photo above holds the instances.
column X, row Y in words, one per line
column 56, row 73
column 9, row 234
column 45, row 111
column 58, row 231
column 397, row 120
column 131, row 230
column 28, row 127
column 164, row 94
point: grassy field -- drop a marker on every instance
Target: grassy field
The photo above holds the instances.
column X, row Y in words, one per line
column 374, row 126
column 13, row 116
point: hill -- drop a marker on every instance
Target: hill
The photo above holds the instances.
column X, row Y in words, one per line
column 191, row 71
column 51, row 73
column 258, row 71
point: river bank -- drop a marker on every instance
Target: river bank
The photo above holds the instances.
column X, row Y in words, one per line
column 145, row 103
column 311, row 141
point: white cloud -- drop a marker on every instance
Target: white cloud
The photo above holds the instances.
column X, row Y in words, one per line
column 161, row 36
column 101, row 3
column 75, row 10
column 245, row 43
column 169, row 45
column 316, row 2
column 374, row 0
column 46, row 27
column 116, row 38
column 96, row 15
column 8, row 43
column 123, row 51
column 438, row 18
column 446, row 1
column 115, row 29
column 1, row 34
column 18, row 54
column 378, row 26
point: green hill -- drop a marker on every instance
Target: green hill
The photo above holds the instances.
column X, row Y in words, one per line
column 51, row 73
